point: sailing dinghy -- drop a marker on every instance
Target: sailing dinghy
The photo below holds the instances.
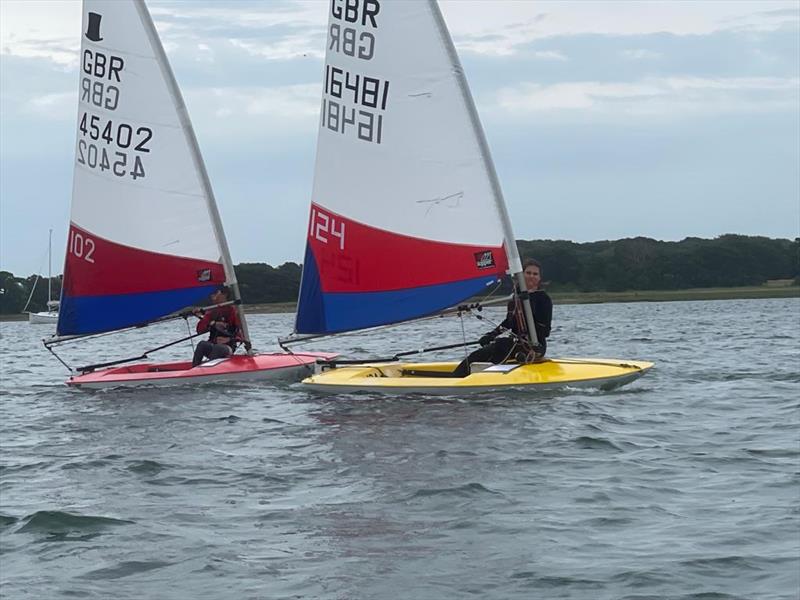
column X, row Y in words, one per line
column 145, row 238
column 407, row 215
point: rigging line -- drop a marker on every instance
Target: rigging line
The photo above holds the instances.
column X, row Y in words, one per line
column 432, row 349
column 519, row 339
column 297, row 358
column 463, row 333
column 140, row 357
column 490, row 294
column 59, row 359
column 283, row 342
column 522, row 340
column 74, row 338
column 396, row 357
column 522, row 325
column 33, row 289
column 35, row 281
column 191, row 339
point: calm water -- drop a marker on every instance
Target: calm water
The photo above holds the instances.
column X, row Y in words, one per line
column 684, row 484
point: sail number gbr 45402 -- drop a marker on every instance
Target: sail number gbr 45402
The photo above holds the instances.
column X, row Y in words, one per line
column 120, row 135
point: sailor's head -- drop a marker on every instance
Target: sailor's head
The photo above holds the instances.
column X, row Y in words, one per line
column 220, row 295
column 532, row 270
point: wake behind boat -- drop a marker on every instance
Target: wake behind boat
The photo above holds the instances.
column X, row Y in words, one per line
column 145, row 239
column 407, row 214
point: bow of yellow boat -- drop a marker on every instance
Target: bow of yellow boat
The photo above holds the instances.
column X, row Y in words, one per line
column 433, row 377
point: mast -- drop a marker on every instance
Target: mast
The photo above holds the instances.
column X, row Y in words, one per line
column 191, row 138
column 509, row 241
column 49, row 268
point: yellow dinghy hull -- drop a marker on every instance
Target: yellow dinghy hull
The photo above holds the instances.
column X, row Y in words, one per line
column 432, row 378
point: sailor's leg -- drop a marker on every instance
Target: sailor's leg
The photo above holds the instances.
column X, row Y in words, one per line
column 502, row 350
column 202, row 350
column 220, row 351
column 482, row 354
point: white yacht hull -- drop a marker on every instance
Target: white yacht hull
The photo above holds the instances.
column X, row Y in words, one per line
column 42, row 318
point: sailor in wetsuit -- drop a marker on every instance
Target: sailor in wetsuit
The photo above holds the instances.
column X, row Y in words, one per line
column 222, row 323
column 500, row 349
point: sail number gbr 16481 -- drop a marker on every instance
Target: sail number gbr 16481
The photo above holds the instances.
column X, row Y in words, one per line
column 354, row 103
column 131, row 141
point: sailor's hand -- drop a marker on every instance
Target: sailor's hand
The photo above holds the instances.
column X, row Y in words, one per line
column 197, row 312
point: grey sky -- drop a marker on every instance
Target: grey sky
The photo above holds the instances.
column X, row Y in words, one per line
column 605, row 119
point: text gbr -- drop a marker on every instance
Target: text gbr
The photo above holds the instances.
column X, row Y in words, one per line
column 100, row 93
column 349, row 40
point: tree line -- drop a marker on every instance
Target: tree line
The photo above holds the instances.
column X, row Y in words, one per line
column 631, row 264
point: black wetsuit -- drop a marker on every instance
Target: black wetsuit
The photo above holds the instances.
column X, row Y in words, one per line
column 504, row 348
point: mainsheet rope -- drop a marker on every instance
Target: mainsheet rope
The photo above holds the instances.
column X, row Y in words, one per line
column 182, row 315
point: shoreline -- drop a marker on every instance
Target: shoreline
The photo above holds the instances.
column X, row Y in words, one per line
column 736, row 293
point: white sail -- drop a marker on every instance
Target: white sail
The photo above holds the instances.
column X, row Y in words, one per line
column 145, row 237
column 411, row 162
column 407, row 217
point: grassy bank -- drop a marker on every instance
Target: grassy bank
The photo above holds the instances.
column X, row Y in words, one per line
column 734, row 293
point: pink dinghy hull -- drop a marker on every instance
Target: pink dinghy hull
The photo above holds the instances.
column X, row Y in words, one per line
column 259, row 367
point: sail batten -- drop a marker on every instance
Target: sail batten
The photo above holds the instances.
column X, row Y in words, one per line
column 403, row 220
column 145, row 238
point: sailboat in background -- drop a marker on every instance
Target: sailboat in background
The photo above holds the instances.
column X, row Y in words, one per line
column 50, row 316
column 407, row 215
column 145, row 239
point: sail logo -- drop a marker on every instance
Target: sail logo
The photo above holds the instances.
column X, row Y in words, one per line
column 204, row 275
column 484, row 260
column 93, row 28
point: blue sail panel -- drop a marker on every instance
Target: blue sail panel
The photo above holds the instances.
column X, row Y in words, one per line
column 83, row 315
column 335, row 312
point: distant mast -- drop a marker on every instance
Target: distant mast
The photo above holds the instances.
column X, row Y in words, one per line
column 49, row 269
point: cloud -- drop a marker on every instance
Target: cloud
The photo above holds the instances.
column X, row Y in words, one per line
column 205, row 54
column 769, row 20
column 549, row 55
column 504, row 28
column 45, row 29
column 58, row 106
column 285, row 48
column 292, row 101
column 48, row 29
column 285, row 30
column 253, row 112
column 641, row 54
column 268, row 30
column 668, row 96
column 248, row 15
